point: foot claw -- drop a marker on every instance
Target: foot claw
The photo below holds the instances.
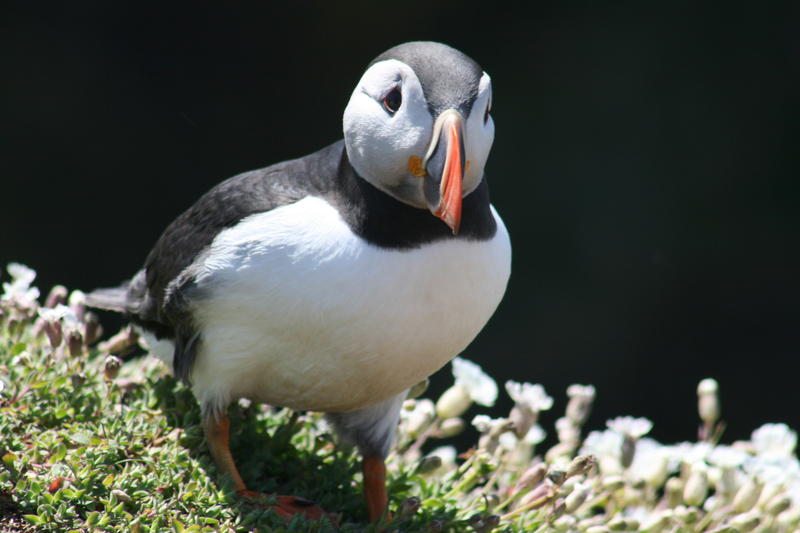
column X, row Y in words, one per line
column 303, row 502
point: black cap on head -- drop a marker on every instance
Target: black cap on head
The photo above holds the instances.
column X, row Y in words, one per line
column 449, row 78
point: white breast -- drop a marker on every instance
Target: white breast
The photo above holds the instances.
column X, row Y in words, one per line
column 300, row 312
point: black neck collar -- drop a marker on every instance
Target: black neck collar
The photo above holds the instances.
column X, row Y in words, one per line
column 386, row 222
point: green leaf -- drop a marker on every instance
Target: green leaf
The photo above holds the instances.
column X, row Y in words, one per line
column 80, row 438
column 108, row 481
column 59, row 452
column 18, row 348
column 8, row 460
column 33, row 519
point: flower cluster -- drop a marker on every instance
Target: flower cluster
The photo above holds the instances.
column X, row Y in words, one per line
column 615, row 479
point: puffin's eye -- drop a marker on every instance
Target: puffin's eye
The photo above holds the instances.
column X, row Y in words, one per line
column 392, row 101
column 486, row 113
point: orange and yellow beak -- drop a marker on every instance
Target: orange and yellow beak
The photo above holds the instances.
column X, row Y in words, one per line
column 444, row 164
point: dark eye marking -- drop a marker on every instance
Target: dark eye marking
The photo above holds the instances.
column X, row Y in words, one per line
column 393, row 101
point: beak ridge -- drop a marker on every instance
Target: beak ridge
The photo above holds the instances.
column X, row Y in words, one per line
column 445, row 165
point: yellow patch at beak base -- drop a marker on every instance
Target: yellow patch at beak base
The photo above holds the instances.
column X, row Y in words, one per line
column 415, row 167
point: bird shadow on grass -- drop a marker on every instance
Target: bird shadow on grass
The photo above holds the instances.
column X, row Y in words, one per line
column 276, row 451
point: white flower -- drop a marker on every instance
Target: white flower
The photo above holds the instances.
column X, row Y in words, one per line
column 708, row 402
column 20, row 288
column 607, row 447
column 650, row 462
column 446, row 453
column 602, row 443
column 725, row 472
column 59, row 312
column 53, row 314
column 448, row 456
column 688, row 453
column 485, row 424
column 707, row 386
column 580, row 402
column 727, row 456
column 577, row 496
column 639, row 513
column 519, row 451
column 567, row 430
column 793, row 491
column 583, row 391
column 530, row 396
column 21, row 274
column 416, row 416
column 63, row 314
column 630, row 426
column 535, row 435
column 775, row 439
column 508, row 441
column 696, row 489
column 774, row 469
column 77, row 297
column 493, row 433
column 479, row 385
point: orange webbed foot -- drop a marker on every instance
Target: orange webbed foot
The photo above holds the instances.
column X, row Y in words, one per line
column 287, row 506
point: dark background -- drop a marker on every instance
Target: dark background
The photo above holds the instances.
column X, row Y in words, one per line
column 645, row 163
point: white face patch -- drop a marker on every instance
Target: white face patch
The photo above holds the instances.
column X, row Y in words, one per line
column 478, row 136
column 383, row 147
column 379, row 143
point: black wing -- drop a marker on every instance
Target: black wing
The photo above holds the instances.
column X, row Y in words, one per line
column 157, row 296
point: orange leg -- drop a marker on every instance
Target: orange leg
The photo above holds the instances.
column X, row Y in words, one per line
column 374, row 470
column 217, row 432
column 217, row 435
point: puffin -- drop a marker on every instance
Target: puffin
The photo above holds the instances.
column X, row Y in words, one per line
column 337, row 281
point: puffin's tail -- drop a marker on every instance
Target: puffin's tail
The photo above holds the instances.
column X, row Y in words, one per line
column 113, row 299
column 122, row 299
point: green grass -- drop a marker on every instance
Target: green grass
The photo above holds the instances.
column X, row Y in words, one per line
column 90, row 446
column 82, row 452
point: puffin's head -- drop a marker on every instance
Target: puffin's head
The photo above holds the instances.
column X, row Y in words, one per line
column 418, row 126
